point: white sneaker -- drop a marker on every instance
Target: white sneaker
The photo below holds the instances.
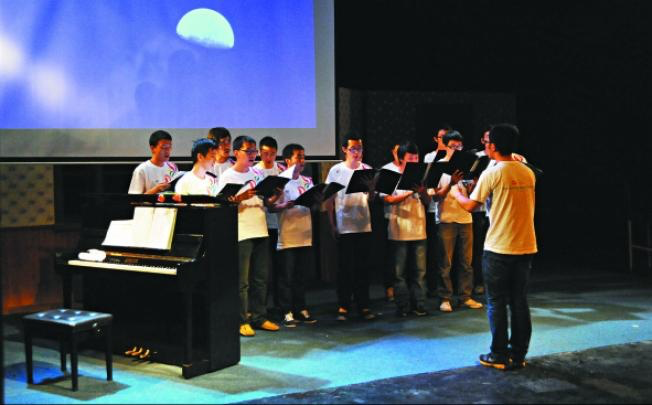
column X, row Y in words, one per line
column 473, row 304
column 289, row 321
column 445, row 306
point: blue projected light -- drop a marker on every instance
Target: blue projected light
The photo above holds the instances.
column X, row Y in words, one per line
column 163, row 64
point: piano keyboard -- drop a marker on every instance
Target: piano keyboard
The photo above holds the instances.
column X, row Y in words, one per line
column 168, row 271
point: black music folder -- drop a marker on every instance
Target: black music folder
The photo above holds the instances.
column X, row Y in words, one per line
column 479, row 166
column 461, row 160
column 361, row 181
column 417, row 174
column 386, row 181
column 267, row 187
column 311, row 197
column 439, row 155
column 229, row 190
column 318, row 194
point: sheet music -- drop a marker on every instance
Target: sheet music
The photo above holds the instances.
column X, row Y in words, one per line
column 151, row 227
column 120, row 233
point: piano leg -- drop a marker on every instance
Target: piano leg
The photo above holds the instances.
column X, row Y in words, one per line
column 188, row 349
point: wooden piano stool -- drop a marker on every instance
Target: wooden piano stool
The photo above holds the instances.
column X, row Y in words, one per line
column 69, row 327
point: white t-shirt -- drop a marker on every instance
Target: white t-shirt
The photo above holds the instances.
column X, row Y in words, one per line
column 389, row 166
column 272, row 217
column 432, row 207
column 219, row 168
column 407, row 219
column 351, row 210
column 189, row 183
column 147, row 175
column 251, row 212
column 448, row 209
column 511, row 218
column 295, row 224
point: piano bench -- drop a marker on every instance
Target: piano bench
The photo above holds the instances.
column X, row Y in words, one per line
column 69, row 327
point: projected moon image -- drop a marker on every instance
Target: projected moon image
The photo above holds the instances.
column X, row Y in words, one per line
column 207, row 28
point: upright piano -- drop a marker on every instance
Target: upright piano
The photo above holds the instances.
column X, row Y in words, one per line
column 181, row 304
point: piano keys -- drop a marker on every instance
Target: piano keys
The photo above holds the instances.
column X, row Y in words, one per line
column 182, row 304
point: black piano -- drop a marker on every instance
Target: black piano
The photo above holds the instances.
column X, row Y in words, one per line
column 180, row 304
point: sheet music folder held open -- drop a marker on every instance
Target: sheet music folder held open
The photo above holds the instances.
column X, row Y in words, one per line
column 150, row 228
column 318, row 194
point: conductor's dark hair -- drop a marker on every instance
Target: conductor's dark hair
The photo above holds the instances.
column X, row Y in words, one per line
column 240, row 140
column 269, row 142
column 289, row 149
column 407, row 147
column 452, row 136
column 201, row 146
column 350, row 136
column 505, row 137
column 157, row 136
column 218, row 133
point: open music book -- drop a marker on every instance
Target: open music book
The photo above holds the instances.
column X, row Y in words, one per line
column 151, row 228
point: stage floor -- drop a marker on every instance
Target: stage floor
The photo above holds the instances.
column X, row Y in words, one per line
column 591, row 342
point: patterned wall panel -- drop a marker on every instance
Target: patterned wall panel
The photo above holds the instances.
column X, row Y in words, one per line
column 383, row 117
column 27, row 195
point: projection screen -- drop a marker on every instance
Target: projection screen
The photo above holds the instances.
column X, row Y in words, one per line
column 88, row 81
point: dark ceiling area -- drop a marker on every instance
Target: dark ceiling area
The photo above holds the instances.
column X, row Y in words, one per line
column 581, row 73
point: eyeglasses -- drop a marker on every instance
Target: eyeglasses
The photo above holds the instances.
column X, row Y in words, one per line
column 224, row 142
column 249, row 151
column 456, row 147
column 355, row 150
column 485, row 141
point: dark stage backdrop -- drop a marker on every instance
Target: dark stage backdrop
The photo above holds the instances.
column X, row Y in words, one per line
column 580, row 74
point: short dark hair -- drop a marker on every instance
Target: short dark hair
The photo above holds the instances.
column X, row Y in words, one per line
column 269, row 142
column 350, row 136
column 407, row 147
column 240, row 140
column 445, row 127
column 218, row 133
column 201, row 146
column 505, row 137
column 452, row 136
column 289, row 149
column 158, row 136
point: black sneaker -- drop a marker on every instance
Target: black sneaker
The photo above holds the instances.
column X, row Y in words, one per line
column 495, row 361
column 304, row 316
column 401, row 314
column 419, row 311
column 342, row 314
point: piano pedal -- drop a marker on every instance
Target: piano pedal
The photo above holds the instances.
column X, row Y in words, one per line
column 129, row 352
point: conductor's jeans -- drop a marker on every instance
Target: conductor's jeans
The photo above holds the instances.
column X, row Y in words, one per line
column 506, row 279
column 455, row 239
column 253, row 263
column 353, row 269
